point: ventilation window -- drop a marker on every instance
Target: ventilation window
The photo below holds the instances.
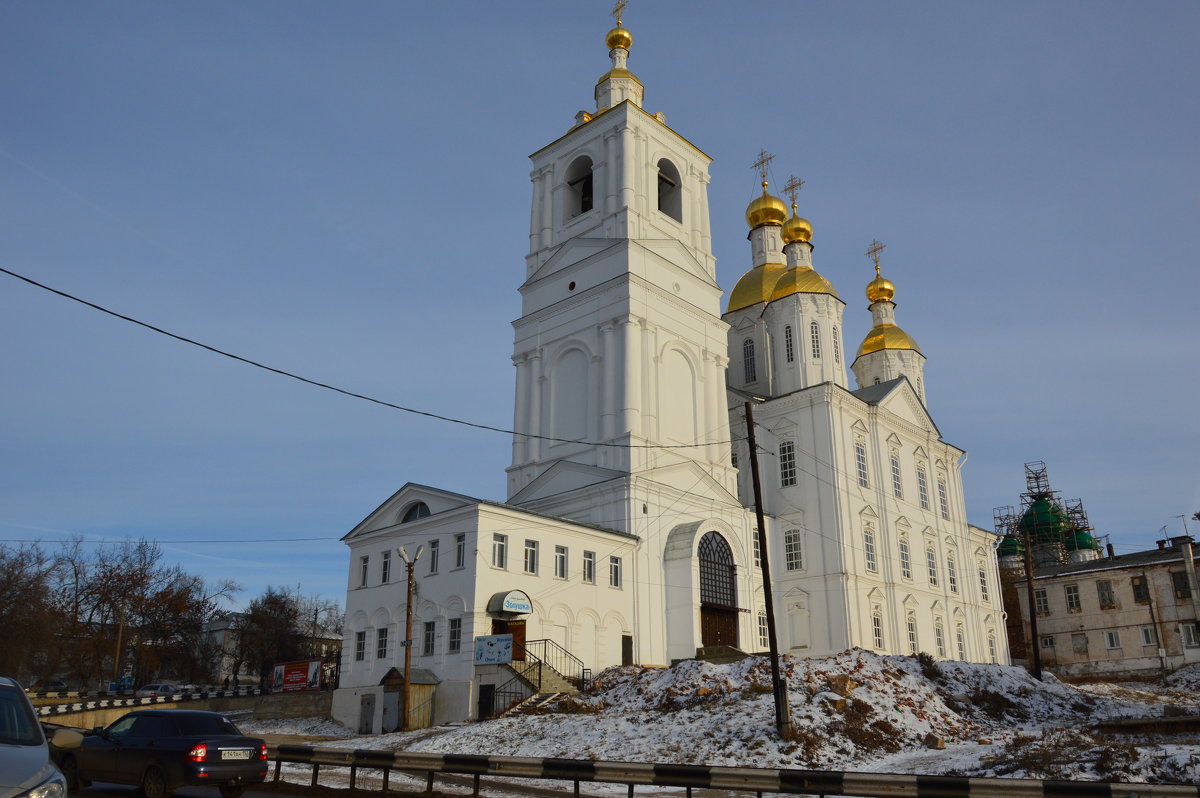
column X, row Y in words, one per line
column 579, row 187
column 415, row 511
column 670, row 194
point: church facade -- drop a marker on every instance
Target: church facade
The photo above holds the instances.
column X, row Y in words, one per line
column 628, row 534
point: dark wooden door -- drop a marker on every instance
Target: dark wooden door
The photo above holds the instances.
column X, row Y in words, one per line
column 487, row 701
column 718, row 627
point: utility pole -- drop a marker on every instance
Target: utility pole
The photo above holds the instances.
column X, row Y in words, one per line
column 1035, row 650
column 408, row 615
column 783, row 714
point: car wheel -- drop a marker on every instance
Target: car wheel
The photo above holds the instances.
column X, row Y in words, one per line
column 70, row 771
column 154, row 783
column 228, row 791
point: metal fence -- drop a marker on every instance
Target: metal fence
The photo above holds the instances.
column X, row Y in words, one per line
column 749, row 780
column 84, row 705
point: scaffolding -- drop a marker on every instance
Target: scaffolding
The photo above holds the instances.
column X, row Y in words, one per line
column 1053, row 527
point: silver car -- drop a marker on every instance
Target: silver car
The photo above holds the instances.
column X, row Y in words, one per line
column 25, row 767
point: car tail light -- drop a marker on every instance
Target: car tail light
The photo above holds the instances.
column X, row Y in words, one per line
column 262, row 754
column 199, row 753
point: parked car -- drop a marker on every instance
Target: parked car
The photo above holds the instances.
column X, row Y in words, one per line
column 161, row 750
column 152, row 690
column 25, row 766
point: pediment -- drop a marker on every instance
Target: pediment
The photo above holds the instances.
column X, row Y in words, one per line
column 689, row 477
column 573, row 251
column 672, row 251
column 903, row 402
column 562, row 477
column 391, row 511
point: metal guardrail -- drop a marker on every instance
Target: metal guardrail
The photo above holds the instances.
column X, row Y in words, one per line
column 83, row 705
column 755, row 780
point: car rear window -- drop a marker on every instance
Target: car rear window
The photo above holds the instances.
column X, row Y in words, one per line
column 18, row 725
column 205, row 724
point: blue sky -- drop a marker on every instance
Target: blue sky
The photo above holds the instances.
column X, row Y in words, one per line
column 341, row 190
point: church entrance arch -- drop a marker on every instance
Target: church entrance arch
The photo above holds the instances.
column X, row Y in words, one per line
column 718, row 592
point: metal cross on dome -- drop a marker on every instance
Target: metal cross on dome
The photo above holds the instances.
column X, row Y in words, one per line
column 764, row 158
column 873, row 253
column 617, row 9
column 792, row 187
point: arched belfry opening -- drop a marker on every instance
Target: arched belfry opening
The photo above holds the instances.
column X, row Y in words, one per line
column 670, row 191
column 718, row 592
column 579, row 187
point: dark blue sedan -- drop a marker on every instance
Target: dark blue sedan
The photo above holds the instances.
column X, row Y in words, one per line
column 163, row 749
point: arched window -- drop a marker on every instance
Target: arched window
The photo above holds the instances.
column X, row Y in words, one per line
column 815, row 333
column 951, row 573
column 910, row 624
column 789, row 350
column 579, row 187
column 718, row 585
column 751, row 373
column 960, row 638
column 837, row 346
column 793, row 550
column 670, row 192
column 869, row 548
column 939, row 637
column 905, row 559
column 983, row 582
column 877, row 626
column 415, row 511
column 991, row 643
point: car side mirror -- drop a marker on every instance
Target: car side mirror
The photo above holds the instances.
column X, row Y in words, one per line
column 99, row 731
column 66, row 738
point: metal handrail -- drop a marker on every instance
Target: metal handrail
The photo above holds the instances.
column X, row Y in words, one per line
column 561, row 661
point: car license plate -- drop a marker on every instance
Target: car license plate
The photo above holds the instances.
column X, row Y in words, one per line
column 235, row 754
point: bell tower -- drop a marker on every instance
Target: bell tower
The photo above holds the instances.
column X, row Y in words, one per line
column 620, row 351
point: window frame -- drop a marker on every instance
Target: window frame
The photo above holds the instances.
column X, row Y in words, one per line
column 614, row 572
column 860, row 462
column 365, row 572
column 793, row 550
column 385, row 567
column 428, row 638
column 360, row 645
column 1071, row 596
column 904, row 549
column 787, row 463
column 589, row 567
column 460, row 550
column 1041, row 601
column 897, row 480
column 381, row 642
column 434, row 556
column 922, row 486
column 870, row 553
column 749, row 367
column 454, row 636
column 560, row 562
column 789, row 347
column 500, row 551
column 530, row 558
column 814, row 332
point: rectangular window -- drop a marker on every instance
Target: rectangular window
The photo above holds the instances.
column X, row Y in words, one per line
column 787, row 463
column 1149, row 636
column 815, row 334
column 1190, row 634
column 931, row 566
column 429, row 638
column 1179, row 581
column 1112, row 638
column 983, row 583
column 869, row 548
column 460, row 551
column 942, row 500
column 877, row 627
column 748, row 369
column 1072, row 594
column 764, row 634
column 1141, row 590
column 837, row 346
column 897, row 484
column 531, row 556
column 499, row 551
column 789, row 350
column 1041, row 602
column 939, row 639
column 905, row 560
column 1048, row 641
column 589, row 567
column 560, row 562
column 860, row 461
column 454, row 636
column 733, row 459
column 360, row 646
column 434, row 555
column 1104, row 593
column 793, row 556
column 952, row 574
column 385, row 570
column 614, row 571
column 757, row 547
column 922, row 487
column 960, row 637
column 381, row 636
column 910, row 624
column 364, row 564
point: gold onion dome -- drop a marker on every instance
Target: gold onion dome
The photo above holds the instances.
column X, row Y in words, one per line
column 881, row 290
column 801, row 280
column 887, row 336
column 756, row 285
column 619, row 37
column 797, row 228
column 766, row 210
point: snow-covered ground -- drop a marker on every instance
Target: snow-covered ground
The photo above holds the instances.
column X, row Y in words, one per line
column 994, row 720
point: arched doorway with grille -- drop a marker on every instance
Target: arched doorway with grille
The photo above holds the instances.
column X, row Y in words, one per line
column 718, row 592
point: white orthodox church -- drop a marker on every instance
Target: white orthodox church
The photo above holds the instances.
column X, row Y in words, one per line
column 628, row 534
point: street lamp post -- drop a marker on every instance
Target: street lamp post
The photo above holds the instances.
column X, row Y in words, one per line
column 410, row 563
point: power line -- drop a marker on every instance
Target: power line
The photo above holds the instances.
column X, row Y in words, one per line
column 343, row 391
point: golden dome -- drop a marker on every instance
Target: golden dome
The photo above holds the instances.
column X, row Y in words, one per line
column 619, row 37
column 880, row 290
column 756, row 285
column 765, row 210
column 801, row 280
column 887, row 336
column 796, row 228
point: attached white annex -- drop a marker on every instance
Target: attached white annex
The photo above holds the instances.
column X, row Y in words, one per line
column 626, row 535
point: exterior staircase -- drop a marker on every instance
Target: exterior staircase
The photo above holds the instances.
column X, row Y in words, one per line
column 542, row 678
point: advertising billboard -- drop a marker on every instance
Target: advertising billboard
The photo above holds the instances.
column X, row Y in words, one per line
column 293, row 677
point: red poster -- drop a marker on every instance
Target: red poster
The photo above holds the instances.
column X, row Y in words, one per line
column 291, row 677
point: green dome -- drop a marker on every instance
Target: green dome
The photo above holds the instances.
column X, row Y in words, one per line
column 1045, row 522
column 1011, row 546
column 1083, row 540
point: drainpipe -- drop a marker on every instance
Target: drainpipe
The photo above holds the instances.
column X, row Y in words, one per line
column 1190, row 565
column 1158, row 632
